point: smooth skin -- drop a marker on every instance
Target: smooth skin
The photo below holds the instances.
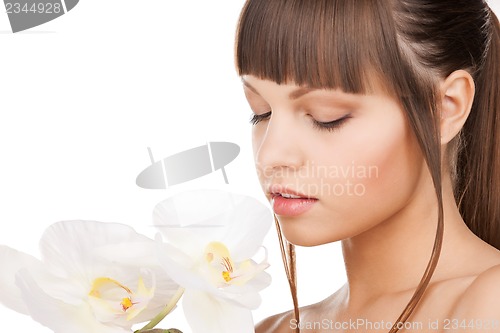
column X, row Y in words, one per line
column 388, row 230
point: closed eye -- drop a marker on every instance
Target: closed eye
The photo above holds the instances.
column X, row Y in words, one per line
column 331, row 125
column 257, row 118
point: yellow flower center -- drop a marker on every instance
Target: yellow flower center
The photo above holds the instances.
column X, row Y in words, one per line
column 222, row 271
column 228, row 266
column 219, row 258
column 108, row 288
column 126, row 303
column 110, row 297
column 226, row 276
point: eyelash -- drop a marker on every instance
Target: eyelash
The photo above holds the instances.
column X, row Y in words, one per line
column 322, row 126
column 257, row 118
column 331, row 125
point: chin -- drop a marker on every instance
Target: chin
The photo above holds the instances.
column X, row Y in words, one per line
column 307, row 242
column 310, row 242
column 306, row 239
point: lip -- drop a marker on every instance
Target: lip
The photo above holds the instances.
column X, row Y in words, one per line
column 275, row 190
column 289, row 206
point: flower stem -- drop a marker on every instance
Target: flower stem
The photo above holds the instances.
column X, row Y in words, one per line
column 168, row 308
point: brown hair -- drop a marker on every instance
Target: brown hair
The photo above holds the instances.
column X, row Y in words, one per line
column 409, row 45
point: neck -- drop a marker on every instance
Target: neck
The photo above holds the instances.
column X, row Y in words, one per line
column 392, row 256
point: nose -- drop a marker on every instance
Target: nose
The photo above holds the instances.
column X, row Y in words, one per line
column 278, row 145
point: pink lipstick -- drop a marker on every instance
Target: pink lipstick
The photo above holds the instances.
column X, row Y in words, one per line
column 286, row 202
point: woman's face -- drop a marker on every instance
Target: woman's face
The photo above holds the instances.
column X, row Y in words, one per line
column 352, row 159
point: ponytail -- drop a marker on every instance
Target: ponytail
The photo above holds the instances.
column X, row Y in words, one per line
column 478, row 164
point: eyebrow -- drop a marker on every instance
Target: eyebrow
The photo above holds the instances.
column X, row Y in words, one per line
column 293, row 95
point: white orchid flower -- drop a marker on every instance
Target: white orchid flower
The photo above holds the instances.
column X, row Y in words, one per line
column 211, row 237
column 76, row 288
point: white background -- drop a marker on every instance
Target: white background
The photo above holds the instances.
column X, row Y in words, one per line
column 83, row 96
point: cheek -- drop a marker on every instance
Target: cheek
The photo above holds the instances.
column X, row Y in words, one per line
column 374, row 168
column 386, row 146
column 394, row 161
column 385, row 164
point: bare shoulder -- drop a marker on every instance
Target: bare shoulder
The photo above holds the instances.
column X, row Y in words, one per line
column 481, row 300
column 279, row 323
column 286, row 323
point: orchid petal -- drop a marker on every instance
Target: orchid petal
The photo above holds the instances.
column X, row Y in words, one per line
column 239, row 221
column 206, row 314
column 57, row 315
column 251, row 223
column 140, row 253
column 67, row 247
column 11, row 262
column 180, row 267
